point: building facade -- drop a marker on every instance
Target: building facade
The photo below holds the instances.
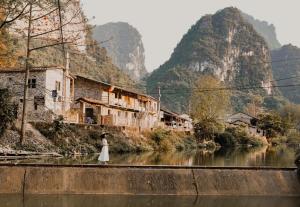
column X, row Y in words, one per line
column 50, row 91
column 105, row 104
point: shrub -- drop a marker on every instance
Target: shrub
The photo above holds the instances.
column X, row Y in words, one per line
column 226, row 139
column 8, row 111
column 293, row 138
column 159, row 135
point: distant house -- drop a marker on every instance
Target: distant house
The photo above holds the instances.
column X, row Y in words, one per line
column 50, row 91
column 175, row 121
column 246, row 121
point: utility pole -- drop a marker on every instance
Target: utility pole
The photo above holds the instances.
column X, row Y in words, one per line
column 27, row 72
column 159, row 103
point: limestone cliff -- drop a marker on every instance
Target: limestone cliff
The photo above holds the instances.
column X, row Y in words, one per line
column 286, row 69
column 125, row 47
column 223, row 45
column 266, row 30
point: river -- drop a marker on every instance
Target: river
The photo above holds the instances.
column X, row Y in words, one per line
column 280, row 156
column 145, row 201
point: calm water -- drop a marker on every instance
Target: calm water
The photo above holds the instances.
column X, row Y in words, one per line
column 280, row 156
column 146, row 201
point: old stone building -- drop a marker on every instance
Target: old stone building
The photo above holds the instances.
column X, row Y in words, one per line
column 50, row 91
column 105, row 104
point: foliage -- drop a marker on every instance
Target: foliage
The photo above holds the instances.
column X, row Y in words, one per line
column 207, row 109
column 290, row 115
column 234, row 136
column 211, row 104
column 265, row 29
column 293, row 138
column 8, row 46
column 226, row 139
column 271, row 123
column 8, row 111
column 284, row 69
column 165, row 140
column 206, row 130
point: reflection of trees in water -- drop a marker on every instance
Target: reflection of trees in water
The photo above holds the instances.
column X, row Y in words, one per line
column 280, row 156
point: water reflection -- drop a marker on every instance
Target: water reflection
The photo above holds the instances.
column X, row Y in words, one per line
column 280, row 156
column 139, row 201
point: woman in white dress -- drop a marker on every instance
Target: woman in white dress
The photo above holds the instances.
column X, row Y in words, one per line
column 104, row 156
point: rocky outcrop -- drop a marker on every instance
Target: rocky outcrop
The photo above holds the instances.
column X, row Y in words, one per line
column 125, row 47
column 223, row 45
column 266, row 30
column 286, row 69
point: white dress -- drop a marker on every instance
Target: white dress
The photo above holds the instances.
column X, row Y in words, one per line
column 104, row 156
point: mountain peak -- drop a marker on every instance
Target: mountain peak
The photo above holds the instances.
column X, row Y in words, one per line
column 125, row 47
column 223, row 45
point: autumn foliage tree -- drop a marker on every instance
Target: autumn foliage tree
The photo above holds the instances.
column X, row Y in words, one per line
column 210, row 102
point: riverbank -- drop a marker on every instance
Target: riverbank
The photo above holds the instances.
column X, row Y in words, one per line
column 69, row 139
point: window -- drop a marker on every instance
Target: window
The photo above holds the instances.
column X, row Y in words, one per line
column 10, row 79
column 57, row 85
column 35, row 106
column 21, row 100
column 32, row 83
column 109, row 113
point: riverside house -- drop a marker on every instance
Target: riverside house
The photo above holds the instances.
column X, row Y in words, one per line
column 50, row 91
column 53, row 91
column 174, row 121
column 105, row 104
column 249, row 123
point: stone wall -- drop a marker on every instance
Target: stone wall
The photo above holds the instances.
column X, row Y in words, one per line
column 148, row 181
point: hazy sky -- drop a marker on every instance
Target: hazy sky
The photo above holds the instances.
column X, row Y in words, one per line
column 162, row 23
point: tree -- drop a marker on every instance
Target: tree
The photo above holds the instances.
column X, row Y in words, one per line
column 255, row 106
column 7, row 111
column 43, row 24
column 290, row 114
column 271, row 123
column 210, row 102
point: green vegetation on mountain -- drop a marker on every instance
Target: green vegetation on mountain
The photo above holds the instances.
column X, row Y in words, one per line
column 223, row 45
column 92, row 63
column 286, row 64
column 266, row 30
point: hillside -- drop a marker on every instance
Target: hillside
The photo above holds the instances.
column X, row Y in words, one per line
column 266, row 30
column 223, row 45
column 283, row 70
column 125, row 47
column 86, row 57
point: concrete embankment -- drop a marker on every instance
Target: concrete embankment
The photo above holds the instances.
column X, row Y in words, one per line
column 148, row 180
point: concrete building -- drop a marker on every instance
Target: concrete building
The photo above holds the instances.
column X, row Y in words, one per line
column 105, row 104
column 50, row 91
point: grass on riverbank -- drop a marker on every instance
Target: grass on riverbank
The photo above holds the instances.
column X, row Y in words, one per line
column 86, row 139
